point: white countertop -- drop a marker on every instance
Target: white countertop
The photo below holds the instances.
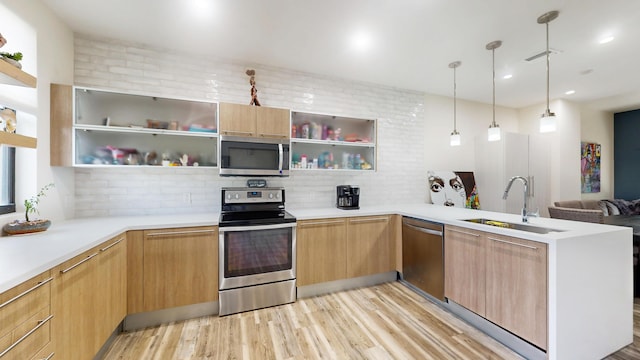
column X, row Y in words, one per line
column 455, row 216
column 24, row 256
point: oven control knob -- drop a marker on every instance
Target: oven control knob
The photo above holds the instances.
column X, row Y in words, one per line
column 277, row 195
column 270, row 195
column 237, row 196
column 229, row 196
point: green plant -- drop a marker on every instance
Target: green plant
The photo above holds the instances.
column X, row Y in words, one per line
column 31, row 204
column 15, row 56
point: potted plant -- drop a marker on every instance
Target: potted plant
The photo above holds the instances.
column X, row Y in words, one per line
column 28, row 225
column 13, row 59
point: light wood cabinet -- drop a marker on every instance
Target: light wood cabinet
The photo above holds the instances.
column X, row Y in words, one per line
column 254, row 121
column 273, row 122
column 321, row 251
column 74, row 299
column 501, row 278
column 61, row 134
column 180, row 267
column 465, row 263
column 369, row 248
column 112, row 275
column 516, row 287
column 25, row 318
column 88, row 299
column 135, row 271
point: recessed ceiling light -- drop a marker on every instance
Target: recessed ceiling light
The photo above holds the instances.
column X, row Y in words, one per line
column 361, row 41
column 606, row 39
column 508, row 76
column 570, row 92
column 201, row 8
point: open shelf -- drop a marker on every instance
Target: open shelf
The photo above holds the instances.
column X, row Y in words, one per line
column 11, row 75
column 17, row 140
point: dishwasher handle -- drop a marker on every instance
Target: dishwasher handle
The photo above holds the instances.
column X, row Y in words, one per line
column 424, row 230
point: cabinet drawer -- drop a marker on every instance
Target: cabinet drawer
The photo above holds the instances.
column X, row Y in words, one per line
column 23, row 301
column 46, row 353
column 29, row 337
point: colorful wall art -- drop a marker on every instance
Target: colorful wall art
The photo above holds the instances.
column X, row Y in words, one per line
column 453, row 188
column 590, row 167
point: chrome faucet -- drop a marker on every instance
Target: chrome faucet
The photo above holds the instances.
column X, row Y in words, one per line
column 525, row 213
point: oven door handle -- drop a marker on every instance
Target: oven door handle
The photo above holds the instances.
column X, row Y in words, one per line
column 224, row 229
column 280, row 157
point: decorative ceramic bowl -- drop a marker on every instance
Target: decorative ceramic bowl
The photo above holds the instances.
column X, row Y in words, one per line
column 26, row 227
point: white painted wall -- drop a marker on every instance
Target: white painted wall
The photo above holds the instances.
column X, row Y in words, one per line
column 122, row 66
column 563, row 146
column 47, row 46
column 597, row 127
column 473, row 120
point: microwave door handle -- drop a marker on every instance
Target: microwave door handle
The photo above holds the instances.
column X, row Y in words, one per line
column 281, row 155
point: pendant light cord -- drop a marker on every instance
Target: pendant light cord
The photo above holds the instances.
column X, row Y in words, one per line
column 454, row 100
column 493, row 64
column 548, row 110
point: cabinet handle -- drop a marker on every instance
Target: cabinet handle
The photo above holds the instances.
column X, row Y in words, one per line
column 385, row 219
column 273, row 135
column 513, row 243
column 239, row 132
column 40, row 323
column 424, row 230
column 181, row 232
column 78, row 263
column 464, row 232
column 49, row 357
column 40, row 283
column 111, row 245
column 327, row 222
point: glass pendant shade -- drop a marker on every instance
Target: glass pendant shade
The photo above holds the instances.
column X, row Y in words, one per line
column 548, row 119
column 548, row 122
column 493, row 134
column 455, row 138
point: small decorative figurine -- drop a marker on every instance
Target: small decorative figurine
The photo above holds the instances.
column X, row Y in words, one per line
column 254, row 91
column 2, row 41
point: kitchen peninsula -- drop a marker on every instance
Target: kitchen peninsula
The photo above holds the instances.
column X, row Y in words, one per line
column 590, row 297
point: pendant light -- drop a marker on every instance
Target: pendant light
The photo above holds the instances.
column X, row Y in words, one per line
column 548, row 119
column 494, row 129
column 455, row 135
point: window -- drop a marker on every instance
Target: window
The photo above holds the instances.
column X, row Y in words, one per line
column 7, row 179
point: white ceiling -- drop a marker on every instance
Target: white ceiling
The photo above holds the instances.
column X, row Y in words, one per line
column 412, row 41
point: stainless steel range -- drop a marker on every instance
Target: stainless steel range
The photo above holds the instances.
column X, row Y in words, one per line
column 257, row 250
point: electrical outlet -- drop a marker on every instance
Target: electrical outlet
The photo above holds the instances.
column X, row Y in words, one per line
column 187, row 198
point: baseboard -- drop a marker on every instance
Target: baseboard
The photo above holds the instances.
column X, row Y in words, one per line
column 346, row 284
column 154, row 318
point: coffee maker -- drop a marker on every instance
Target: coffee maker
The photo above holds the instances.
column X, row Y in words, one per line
column 348, row 197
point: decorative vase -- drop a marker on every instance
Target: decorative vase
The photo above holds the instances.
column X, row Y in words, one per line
column 25, row 227
column 12, row 62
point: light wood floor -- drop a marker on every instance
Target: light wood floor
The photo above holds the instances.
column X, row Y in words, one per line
column 387, row 321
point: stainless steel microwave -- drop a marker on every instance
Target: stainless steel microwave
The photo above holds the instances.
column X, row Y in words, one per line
column 244, row 156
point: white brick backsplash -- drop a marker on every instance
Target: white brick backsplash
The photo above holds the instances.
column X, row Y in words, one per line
column 130, row 67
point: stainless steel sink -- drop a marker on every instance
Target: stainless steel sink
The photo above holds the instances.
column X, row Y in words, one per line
column 515, row 226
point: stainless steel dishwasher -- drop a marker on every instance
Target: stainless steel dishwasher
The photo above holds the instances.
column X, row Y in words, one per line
column 423, row 255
